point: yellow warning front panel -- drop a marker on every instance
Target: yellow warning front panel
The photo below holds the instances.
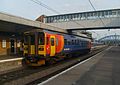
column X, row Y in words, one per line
column 32, row 49
column 41, row 50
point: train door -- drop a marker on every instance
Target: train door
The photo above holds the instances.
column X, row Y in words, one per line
column 26, row 44
column 52, row 46
column 47, row 44
column 29, row 44
column 32, row 44
column 41, row 44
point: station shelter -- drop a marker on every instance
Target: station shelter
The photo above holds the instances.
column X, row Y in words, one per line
column 11, row 38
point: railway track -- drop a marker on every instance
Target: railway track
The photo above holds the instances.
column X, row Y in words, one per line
column 34, row 75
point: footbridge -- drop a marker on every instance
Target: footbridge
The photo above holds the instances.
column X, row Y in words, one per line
column 102, row 19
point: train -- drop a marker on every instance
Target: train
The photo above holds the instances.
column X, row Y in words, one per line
column 46, row 47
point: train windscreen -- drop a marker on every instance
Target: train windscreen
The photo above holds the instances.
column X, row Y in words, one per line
column 41, row 38
column 32, row 39
column 29, row 39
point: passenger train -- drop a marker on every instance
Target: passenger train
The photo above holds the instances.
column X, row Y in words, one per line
column 41, row 47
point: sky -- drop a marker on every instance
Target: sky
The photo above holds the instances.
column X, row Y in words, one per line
column 30, row 10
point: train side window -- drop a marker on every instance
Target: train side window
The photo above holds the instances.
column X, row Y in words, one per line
column 52, row 41
column 75, row 42
column 79, row 42
column 68, row 42
column 72, row 42
column 65, row 41
column 83, row 43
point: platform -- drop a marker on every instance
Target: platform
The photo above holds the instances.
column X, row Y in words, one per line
column 5, row 57
column 10, row 62
column 101, row 69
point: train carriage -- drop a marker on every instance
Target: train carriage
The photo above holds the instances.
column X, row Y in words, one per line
column 76, row 45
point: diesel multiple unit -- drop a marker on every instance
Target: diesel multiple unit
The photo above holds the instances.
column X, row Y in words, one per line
column 41, row 47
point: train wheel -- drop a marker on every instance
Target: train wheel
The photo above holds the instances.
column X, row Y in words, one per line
column 68, row 55
column 50, row 61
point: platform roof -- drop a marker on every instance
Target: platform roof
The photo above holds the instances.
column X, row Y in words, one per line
column 10, row 23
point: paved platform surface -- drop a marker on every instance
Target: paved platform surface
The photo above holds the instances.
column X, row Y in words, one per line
column 101, row 69
column 5, row 57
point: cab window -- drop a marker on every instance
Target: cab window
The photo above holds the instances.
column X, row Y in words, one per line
column 52, row 41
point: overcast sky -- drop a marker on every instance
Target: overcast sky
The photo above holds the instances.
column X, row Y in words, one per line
column 31, row 10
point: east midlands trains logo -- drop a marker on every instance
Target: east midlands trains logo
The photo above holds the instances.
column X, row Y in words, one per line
column 67, row 49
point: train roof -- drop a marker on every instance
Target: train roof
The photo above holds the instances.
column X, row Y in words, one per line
column 59, row 33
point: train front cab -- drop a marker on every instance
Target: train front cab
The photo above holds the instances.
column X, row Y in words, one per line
column 34, row 52
column 38, row 47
